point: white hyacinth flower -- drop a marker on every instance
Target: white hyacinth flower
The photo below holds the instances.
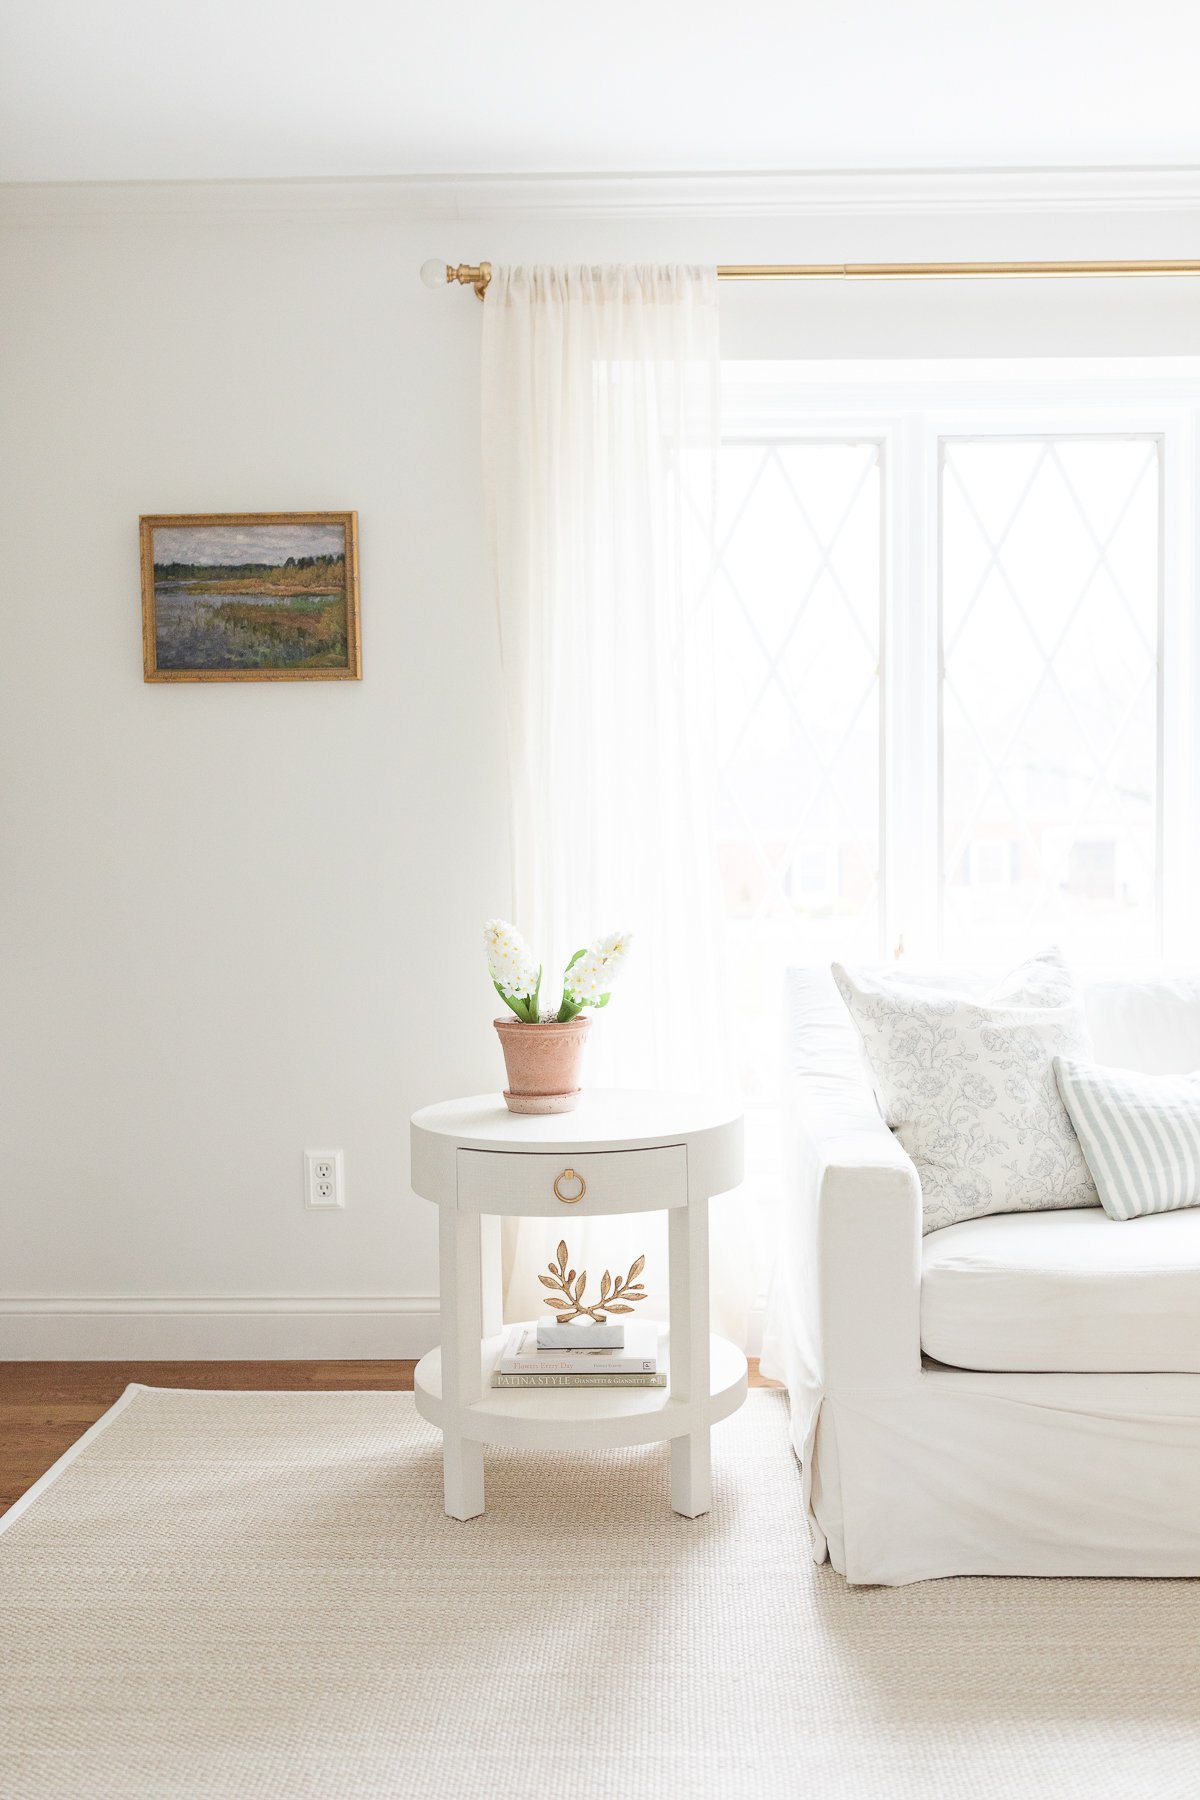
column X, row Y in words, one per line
column 589, row 976
column 515, row 972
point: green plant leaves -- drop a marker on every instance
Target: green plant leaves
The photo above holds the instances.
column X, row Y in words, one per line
column 520, row 1007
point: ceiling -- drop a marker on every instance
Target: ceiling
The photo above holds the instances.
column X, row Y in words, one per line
column 171, row 90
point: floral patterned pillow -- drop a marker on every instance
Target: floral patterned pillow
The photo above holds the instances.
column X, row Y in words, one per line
column 967, row 1084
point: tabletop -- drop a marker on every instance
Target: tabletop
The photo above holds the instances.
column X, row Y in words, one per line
column 605, row 1119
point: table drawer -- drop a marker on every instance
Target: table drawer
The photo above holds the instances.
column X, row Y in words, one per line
column 588, row 1181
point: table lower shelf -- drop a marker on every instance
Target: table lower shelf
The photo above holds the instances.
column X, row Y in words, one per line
column 581, row 1418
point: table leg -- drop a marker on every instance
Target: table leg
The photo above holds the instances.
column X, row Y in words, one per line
column 491, row 1285
column 462, row 1476
column 691, row 1474
column 462, row 1328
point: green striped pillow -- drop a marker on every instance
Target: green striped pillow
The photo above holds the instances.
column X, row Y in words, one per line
column 1140, row 1135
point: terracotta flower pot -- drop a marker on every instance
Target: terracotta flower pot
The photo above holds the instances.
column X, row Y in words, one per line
column 543, row 1063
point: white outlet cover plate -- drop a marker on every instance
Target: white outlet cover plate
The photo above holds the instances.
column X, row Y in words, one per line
column 324, row 1179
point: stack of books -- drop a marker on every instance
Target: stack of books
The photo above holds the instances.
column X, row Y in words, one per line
column 633, row 1364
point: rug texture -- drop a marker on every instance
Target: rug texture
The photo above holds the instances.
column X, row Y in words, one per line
column 239, row 1594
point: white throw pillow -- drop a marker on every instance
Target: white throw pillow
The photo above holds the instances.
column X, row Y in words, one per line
column 1140, row 1135
column 967, row 1084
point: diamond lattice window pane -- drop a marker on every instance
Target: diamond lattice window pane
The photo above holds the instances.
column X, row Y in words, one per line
column 1050, row 581
column 798, row 598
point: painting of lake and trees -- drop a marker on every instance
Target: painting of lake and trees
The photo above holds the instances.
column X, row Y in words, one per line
column 251, row 597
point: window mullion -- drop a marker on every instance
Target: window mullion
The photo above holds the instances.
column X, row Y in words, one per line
column 1179, row 688
column 911, row 680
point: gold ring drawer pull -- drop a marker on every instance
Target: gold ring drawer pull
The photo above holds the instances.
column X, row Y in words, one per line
column 570, row 1199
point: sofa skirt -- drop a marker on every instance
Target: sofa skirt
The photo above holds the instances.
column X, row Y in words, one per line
column 958, row 1473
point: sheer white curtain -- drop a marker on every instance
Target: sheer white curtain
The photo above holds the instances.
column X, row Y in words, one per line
column 600, row 410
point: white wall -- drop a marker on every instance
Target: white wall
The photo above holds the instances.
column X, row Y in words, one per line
column 236, row 920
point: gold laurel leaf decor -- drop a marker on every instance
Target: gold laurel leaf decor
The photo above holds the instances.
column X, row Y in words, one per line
column 618, row 1294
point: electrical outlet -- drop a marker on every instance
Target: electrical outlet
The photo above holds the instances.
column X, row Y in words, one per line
column 324, row 1178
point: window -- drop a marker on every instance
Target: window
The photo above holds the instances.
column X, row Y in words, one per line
column 1050, row 566
column 798, row 608
column 954, row 614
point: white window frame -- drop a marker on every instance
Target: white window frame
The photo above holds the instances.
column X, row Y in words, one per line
column 909, row 410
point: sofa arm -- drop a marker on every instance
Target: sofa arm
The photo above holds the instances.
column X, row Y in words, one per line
column 851, row 1215
column 864, row 1238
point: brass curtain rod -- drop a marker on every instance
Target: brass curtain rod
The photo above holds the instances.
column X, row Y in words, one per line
column 477, row 275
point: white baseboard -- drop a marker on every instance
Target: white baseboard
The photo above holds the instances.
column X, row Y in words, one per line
column 196, row 1328
column 218, row 1328
column 754, row 1329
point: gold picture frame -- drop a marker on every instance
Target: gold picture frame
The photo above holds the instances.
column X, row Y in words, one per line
column 250, row 596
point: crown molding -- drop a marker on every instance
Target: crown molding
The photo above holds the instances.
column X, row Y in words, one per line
column 480, row 198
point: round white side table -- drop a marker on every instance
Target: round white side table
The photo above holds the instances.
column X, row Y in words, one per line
column 619, row 1152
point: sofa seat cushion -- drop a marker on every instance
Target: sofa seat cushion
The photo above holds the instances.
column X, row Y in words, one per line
column 1064, row 1291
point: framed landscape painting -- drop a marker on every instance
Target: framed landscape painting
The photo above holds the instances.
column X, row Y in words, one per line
column 250, row 597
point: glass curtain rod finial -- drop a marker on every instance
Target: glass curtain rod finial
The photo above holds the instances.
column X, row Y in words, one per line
column 437, row 274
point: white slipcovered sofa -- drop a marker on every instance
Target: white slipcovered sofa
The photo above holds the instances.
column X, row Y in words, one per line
column 1012, row 1395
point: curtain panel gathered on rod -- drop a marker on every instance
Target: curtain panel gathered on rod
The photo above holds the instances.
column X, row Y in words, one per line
column 601, row 395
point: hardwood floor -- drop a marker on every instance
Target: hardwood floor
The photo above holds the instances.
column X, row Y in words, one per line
column 45, row 1406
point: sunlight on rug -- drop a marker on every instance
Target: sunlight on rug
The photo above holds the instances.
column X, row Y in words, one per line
column 241, row 1594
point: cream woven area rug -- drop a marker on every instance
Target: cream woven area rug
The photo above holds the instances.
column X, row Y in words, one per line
column 239, row 1594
